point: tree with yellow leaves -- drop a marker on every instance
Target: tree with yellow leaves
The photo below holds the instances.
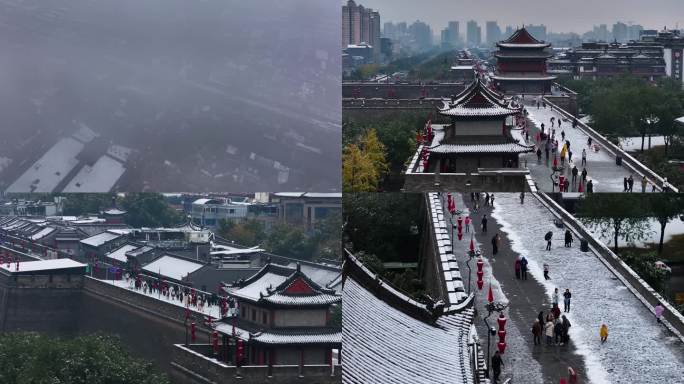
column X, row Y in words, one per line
column 363, row 164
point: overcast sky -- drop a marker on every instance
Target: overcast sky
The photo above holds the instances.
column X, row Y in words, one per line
column 558, row 15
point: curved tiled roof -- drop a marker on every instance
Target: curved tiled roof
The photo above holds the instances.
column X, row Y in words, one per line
column 478, row 100
column 298, row 336
column 522, row 38
column 482, row 148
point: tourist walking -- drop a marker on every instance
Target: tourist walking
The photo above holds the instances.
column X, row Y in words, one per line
column 659, row 312
column 548, row 237
column 467, row 224
column 644, row 184
column 539, row 154
column 546, row 272
column 630, row 183
column 548, row 331
column 565, row 337
column 590, row 186
column 624, row 184
column 584, row 174
column 584, row 157
column 568, row 238
column 536, row 331
column 491, row 200
column 566, row 300
column 522, row 197
column 603, row 332
column 523, row 268
column 497, row 363
column 575, row 172
column 540, row 317
column 495, row 244
column 555, row 311
column 517, row 268
column 558, row 331
column 484, row 223
column 589, row 142
column 554, row 297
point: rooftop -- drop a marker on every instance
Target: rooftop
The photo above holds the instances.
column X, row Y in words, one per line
column 172, row 267
column 42, row 265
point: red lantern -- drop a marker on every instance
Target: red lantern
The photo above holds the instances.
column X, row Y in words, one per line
column 216, row 342
column 502, row 335
column 472, row 245
column 490, row 294
column 502, row 321
column 479, row 264
column 502, row 347
column 240, row 352
column 555, row 162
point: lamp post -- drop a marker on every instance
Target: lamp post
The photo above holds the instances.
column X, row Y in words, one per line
column 651, row 120
column 491, row 331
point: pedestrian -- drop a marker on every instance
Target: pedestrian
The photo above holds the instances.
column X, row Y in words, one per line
column 554, row 297
column 574, row 122
column 562, row 133
column 589, row 142
column 517, row 268
column 484, row 223
column 497, row 362
column 630, row 183
column 644, row 184
column 523, row 268
column 659, row 312
column 555, row 311
column 569, row 155
column 565, row 337
column 491, row 200
column 552, row 120
column 559, row 124
column 558, row 331
column 548, row 237
column 536, row 331
column 603, row 332
column 539, row 152
column 548, row 331
column 540, row 317
column 566, row 300
column 584, row 157
column 472, row 196
column 566, row 185
column 624, row 184
column 575, row 172
column 495, row 244
column 546, row 272
column 542, row 127
column 568, row 238
column 486, row 201
column 467, row 224
column 590, row 186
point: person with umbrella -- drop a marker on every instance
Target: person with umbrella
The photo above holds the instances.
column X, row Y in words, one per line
column 548, row 237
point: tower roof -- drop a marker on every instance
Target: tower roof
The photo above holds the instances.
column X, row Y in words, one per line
column 522, row 39
column 478, row 100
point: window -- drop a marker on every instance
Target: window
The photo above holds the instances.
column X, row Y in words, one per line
column 254, row 316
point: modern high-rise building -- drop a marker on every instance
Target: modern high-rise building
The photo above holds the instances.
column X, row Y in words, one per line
column 421, row 35
column 473, row 34
column 538, row 31
column 493, row 32
column 450, row 35
column 360, row 25
column 620, row 32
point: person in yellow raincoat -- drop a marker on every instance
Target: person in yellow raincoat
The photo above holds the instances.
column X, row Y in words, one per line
column 563, row 152
column 603, row 332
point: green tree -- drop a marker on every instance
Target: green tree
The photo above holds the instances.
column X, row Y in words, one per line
column 149, row 210
column 664, row 207
column 28, row 358
column 79, row 204
column 290, row 241
column 644, row 266
column 615, row 216
column 248, row 232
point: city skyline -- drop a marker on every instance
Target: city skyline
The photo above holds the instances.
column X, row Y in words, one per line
column 575, row 18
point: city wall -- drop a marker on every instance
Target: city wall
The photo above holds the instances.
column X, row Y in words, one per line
column 400, row 91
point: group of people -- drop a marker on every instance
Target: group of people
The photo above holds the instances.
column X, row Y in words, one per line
column 188, row 296
column 628, row 184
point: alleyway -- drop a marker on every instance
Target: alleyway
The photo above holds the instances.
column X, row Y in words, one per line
column 601, row 168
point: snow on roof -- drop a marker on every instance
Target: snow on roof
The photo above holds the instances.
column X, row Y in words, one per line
column 114, row 211
column 385, row 345
column 235, row 251
column 48, row 171
column 101, row 177
column 314, row 336
column 100, row 239
column 319, row 194
column 482, row 148
column 172, row 267
column 254, row 290
column 120, row 231
column 289, row 194
column 42, row 265
column 202, row 201
column 42, row 233
column 680, row 120
column 120, row 254
column 478, row 100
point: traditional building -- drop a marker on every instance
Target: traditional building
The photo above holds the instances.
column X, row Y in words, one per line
column 284, row 319
column 480, row 135
column 521, row 64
